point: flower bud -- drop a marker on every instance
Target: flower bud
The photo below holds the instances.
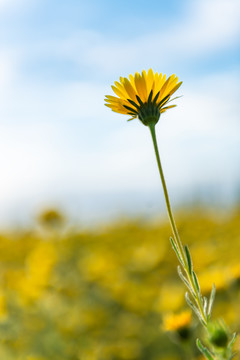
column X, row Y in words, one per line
column 218, row 334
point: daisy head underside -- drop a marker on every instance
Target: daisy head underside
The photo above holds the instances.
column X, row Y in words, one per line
column 143, row 96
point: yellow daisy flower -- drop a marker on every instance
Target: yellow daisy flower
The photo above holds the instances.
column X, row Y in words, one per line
column 175, row 322
column 179, row 324
column 143, row 96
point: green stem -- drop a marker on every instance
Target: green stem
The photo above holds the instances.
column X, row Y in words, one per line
column 170, row 214
column 173, row 225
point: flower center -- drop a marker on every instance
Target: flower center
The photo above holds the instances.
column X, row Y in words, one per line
column 148, row 113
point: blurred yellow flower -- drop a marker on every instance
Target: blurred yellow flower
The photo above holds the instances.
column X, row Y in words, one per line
column 51, row 218
column 175, row 322
column 3, row 309
column 170, row 298
column 217, row 275
column 39, row 264
column 125, row 350
column 100, row 294
column 143, row 96
column 234, row 271
column 99, row 264
column 147, row 255
column 90, row 354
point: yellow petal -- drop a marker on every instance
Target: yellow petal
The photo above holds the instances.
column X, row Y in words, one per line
column 129, row 89
column 111, row 98
column 121, row 88
column 163, row 91
column 141, row 87
column 168, row 107
column 132, row 81
column 175, row 88
column 117, row 109
column 159, row 81
column 118, row 92
column 150, row 81
column 171, row 84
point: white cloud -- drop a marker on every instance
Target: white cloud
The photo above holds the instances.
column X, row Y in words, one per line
column 26, row 158
column 211, row 25
column 8, row 72
column 5, row 71
column 207, row 27
column 24, row 100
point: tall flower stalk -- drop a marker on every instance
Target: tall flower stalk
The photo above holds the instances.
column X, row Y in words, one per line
column 182, row 253
column 217, row 332
column 145, row 97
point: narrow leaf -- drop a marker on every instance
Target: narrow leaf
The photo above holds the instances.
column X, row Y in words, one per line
column 196, row 282
column 189, row 260
column 211, row 301
column 204, row 350
column 193, row 307
column 234, row 338
column 184, row 279
column 174, row 246
column 205, row 304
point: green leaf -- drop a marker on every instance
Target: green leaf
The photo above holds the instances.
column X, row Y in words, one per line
column 205, row 304
column 184, row 279
column 189, row 260
column 196, row 282
column 174, row 246
column 193, row 307
column 204, row 350
column 211, row 301
column 234, row 338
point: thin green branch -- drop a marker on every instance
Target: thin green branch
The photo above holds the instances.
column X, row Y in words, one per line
column 201, row 306
column 184, row 253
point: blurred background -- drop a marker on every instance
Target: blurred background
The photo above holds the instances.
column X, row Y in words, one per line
column 86, row 271
column 60, row 145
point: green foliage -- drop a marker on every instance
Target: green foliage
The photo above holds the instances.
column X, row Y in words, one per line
column 204, row 350
column 189, row 260
column 211, row 301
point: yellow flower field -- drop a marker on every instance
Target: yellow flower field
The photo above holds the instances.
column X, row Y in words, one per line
column 112, row 292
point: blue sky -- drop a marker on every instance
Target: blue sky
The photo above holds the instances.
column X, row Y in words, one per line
column 60, row 145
